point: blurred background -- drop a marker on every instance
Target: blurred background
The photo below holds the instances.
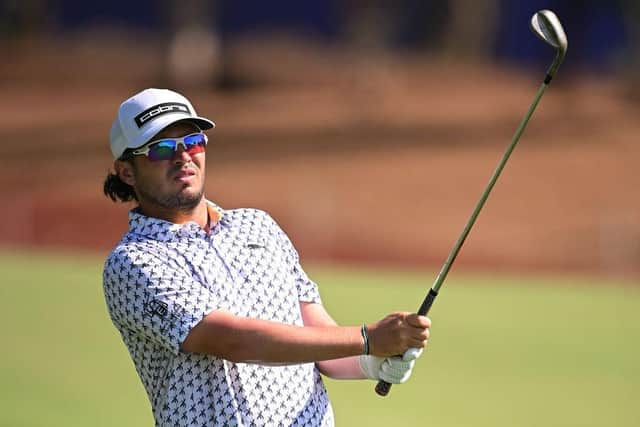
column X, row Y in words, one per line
column 368, row 129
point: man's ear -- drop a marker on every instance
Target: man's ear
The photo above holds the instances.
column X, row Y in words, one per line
column 125, row 172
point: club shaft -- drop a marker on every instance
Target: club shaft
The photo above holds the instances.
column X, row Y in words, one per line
column 383, row 387
column 485, row 195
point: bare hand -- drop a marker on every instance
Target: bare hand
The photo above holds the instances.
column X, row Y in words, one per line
column 398, row 332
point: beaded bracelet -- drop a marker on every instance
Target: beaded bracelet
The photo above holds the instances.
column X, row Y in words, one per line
column 365, row 336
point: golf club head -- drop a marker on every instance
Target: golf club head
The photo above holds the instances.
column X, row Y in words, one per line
column 547, row 27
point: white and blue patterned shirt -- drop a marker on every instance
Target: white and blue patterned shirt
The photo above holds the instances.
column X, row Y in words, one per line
column 163, row 278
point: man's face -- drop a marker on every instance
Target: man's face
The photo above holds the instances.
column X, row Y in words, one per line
column 176, row 184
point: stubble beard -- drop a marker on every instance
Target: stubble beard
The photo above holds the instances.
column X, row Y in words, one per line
column 178, row 202
column 181, row 201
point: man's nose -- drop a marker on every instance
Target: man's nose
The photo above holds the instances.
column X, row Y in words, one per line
column 181, row 155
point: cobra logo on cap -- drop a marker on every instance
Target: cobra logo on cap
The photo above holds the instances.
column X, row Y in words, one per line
column 160, row 109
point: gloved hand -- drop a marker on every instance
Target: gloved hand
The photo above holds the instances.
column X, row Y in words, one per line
column 394, row 370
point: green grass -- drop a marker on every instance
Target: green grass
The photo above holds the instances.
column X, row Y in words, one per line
column 505, row 351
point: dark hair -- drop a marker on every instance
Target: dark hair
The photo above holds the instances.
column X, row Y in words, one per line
column 115, row 188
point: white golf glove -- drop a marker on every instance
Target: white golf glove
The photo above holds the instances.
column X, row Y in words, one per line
column 394, row 370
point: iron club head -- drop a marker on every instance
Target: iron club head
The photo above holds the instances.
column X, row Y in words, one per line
column 547, row 27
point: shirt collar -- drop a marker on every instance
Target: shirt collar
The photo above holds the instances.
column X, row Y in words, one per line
column 216, row 213
column 159, row 229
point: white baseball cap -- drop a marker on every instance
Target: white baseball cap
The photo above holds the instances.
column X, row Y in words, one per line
column 146, row 113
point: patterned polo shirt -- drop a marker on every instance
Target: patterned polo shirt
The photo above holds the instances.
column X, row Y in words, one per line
column 163, row 278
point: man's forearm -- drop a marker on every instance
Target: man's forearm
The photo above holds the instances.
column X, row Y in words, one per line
column 347, row 368
column 241, row 339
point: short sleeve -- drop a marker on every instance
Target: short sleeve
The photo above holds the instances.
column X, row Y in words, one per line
column 153, row 297
column 307, row 288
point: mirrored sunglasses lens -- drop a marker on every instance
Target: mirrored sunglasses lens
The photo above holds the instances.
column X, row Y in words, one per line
column 162, row 150
column 195, row 143
column 196, row 139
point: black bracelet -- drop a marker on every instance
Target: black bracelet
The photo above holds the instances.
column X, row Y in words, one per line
column 365, row 336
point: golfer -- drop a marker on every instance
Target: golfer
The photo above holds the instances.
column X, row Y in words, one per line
column 222, row 323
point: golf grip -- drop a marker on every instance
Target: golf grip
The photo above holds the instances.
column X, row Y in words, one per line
column 383, row 387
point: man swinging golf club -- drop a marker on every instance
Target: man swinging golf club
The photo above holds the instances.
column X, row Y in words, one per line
column 223, row 325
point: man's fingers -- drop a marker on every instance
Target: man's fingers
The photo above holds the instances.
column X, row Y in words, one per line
column 419, row 338
column 397, row 332
column 421, row 334
column 418, row 321
column 396, row 371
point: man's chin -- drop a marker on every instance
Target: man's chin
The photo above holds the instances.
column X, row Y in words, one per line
column 185, row 199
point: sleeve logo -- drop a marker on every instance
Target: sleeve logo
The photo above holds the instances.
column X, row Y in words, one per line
column 157, row 308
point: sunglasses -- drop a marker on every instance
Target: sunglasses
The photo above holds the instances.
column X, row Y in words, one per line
column 166, row 148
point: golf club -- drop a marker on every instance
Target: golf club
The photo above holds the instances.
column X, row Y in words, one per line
column 547, row 26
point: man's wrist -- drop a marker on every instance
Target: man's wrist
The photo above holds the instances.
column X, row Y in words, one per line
column 365, row 338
